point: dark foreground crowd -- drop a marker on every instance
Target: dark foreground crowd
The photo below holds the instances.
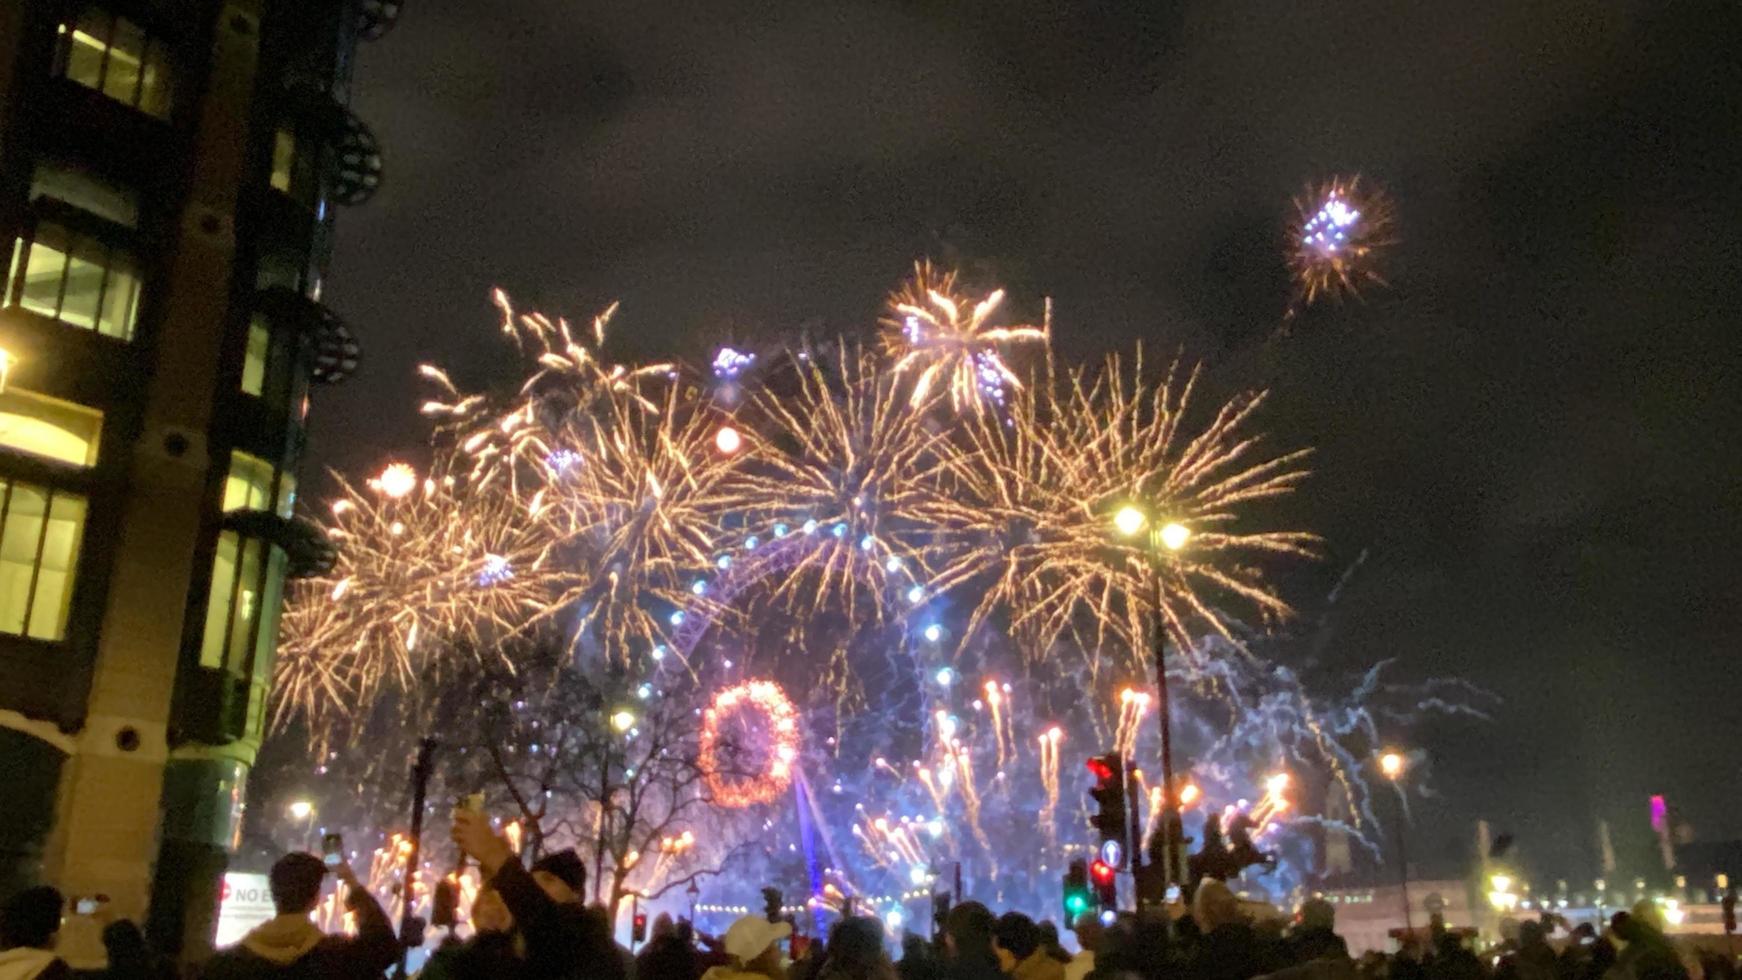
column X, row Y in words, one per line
column 531, row 924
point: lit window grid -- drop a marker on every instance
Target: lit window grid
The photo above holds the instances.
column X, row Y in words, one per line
column 41, row 530
column 54, row 271
column 114, row 56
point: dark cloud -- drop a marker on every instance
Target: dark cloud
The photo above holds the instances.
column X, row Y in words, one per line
column 1532, row 433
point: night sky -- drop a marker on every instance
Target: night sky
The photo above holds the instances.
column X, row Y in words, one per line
column 1532, row 435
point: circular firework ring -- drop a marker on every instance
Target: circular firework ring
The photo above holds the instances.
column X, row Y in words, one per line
column 739, row 790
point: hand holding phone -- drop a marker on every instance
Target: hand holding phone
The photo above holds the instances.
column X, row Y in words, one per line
column 332, row 850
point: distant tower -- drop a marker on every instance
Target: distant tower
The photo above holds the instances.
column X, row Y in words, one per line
column 1339, row 856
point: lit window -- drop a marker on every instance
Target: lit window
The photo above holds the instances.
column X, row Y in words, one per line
column 294, row 170
column 249, row 486
column 85, row 192
column 40, row 531
column 259, row 352
column 242, row 609
column 114, row 56
column 283, row 160
column 76, row 279
column 49, row 428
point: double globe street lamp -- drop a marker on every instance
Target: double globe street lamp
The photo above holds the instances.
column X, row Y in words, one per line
column 1165, row 539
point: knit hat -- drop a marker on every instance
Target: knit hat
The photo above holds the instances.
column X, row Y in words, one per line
column 565, row 865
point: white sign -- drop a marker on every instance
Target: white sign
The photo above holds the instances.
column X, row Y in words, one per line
column 245, row 902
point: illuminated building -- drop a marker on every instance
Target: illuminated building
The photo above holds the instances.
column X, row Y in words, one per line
column 168, row 177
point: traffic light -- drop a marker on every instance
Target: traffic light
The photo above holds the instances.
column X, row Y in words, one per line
column 1109, row 796
column 1104, row 879
column 638, row 928
column 1076, row 892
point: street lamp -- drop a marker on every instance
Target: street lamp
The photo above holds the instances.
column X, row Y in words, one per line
column 1129, row 521
column 1392, row 765
column 727, row 440
column 303, row 811
column 622, row 720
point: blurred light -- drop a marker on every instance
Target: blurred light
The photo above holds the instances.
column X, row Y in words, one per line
column 945, row 676
column 699, row 586
column 1188, row 794
column 892, row 565
column 723, row 562
column 644, row 692
column 1174, row 535
column 659, row 652
column 397, row 480
column 1277, row 783
column 893, row 917
column 727, row 440
column 1391, row 764
column 934, row 633
column 301, row 810
column 916, row 875
column 916, row 594
column 1129, row 520
column 623, row 719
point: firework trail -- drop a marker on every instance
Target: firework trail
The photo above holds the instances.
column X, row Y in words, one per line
column 1028, row 512
column 1132, row 705
column 428, row 569
column 1336, row 238
column 522, row 444
column 948, row 341
column 845, row 462
column 1049, row 778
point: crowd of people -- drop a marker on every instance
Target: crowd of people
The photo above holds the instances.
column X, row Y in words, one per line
column 531, row 923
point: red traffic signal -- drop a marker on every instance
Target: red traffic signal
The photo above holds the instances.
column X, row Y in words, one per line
column 1106, row 889
column 638, row 928
column 1101, row 768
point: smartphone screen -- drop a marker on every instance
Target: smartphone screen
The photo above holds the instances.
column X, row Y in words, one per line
column 332, row 849
column 85, row 906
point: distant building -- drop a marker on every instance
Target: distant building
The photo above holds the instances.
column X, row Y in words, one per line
column 1368, row 916
column 168, row 171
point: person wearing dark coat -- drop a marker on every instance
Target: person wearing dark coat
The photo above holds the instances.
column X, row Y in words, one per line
column 968, row 951
column 28, row 924
column 130, row 956
column 670, row 955
column 1230, row 949
column 561, row 940
column 292, row 946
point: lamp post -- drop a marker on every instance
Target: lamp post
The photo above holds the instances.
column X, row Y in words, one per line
column 1130, row 521
column 304, row 811
column 1392, row 765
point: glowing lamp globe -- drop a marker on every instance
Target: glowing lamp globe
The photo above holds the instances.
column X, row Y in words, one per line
column 1174, row 535
column 623, row 720
column 301, row 809
column 1391, row 764
column 397, row 480
column 727, row 440
column 1129, row 520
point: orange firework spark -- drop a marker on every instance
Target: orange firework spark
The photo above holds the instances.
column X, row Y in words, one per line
column 1031, row 501
column 844, row 462
column 567, row 377
column 426, row 568
column 949, row 340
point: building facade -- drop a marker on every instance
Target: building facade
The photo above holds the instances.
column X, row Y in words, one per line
column 169, row 172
